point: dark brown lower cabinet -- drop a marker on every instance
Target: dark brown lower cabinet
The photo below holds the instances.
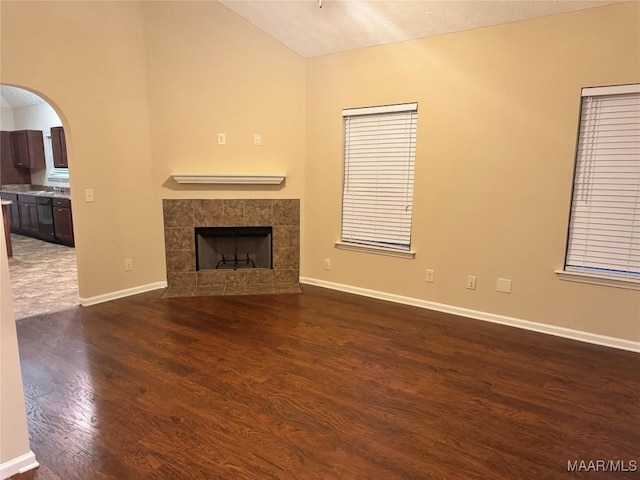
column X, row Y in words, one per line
column 14, row 216
column 62, row 221
column 28, row 212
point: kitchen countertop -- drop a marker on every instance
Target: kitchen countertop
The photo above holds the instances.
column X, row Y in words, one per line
column 36, row 190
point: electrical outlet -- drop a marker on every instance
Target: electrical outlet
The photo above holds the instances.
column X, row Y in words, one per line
column 327, row 264
column 471, row 282
column 257, row 139
column 222, row 139
column 128, row 265
column 428, row 277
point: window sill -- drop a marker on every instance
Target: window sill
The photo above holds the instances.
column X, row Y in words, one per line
column 607, row 281
column 391, row 252
column 58, row 177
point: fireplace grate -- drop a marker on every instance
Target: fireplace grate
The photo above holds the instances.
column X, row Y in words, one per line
column 233, row 248
column 236, row 262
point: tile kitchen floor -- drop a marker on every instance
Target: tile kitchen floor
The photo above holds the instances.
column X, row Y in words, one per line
column 43, row 276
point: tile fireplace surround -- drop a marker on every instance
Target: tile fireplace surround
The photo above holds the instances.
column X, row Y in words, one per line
column 182, row 216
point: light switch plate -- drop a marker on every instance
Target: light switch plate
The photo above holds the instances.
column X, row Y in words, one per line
column 429, row 275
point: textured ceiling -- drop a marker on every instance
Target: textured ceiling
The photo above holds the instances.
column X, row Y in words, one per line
column 13, row 97
column 347, row 24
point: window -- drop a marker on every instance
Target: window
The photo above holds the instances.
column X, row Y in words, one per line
column 53, row 174
column 379, row 160
column 604, row 230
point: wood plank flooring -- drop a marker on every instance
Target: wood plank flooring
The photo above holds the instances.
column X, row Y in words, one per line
column 322, row 385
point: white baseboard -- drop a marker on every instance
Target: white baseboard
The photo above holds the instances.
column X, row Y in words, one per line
column 121, row 293
column 580, row 335
column 20, row 464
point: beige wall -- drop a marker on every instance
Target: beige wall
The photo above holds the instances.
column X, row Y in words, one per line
column 210, row 71
column 497, row 118
column 14, row 439
column 6, row 119
column 87, row 60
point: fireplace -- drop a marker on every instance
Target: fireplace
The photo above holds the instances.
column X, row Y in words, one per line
column 243, row 271
column 233, row 247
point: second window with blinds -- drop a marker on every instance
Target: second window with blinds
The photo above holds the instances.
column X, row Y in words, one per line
column 603, row 245
column 377, row 196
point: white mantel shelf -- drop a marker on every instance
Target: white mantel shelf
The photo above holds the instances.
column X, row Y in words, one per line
column 230, row 178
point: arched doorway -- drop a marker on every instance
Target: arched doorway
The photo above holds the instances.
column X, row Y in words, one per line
column 35, row 178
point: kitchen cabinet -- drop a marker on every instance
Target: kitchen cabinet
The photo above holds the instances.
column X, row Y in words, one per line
column 59, row 147
column 14, row 215
column 62, row 221
column 41, row 216
column 28, row 212
column 10, row 174
column 27, row 147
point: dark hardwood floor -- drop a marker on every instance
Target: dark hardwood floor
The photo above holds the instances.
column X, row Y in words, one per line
column 322, row 385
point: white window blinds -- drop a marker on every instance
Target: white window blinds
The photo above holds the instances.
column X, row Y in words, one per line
column 604, row 229
column 379, row 160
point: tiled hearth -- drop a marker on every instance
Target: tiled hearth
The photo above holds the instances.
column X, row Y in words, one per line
column 182, row 216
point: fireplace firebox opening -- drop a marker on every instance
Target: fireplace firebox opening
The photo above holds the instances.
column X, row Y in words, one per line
column 233, row 248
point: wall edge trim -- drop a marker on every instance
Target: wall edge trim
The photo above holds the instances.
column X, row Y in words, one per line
column 20, row 464
column 580, row 335
column 105, row 297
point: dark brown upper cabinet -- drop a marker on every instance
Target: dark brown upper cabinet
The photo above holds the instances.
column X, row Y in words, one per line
column 9, row 173
column 27, row 147
column 59, row 145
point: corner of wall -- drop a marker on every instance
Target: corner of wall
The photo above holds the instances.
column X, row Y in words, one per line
column 15, row 453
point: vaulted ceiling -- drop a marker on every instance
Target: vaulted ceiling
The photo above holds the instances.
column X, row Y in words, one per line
column 347, row 24
column 311, row 30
